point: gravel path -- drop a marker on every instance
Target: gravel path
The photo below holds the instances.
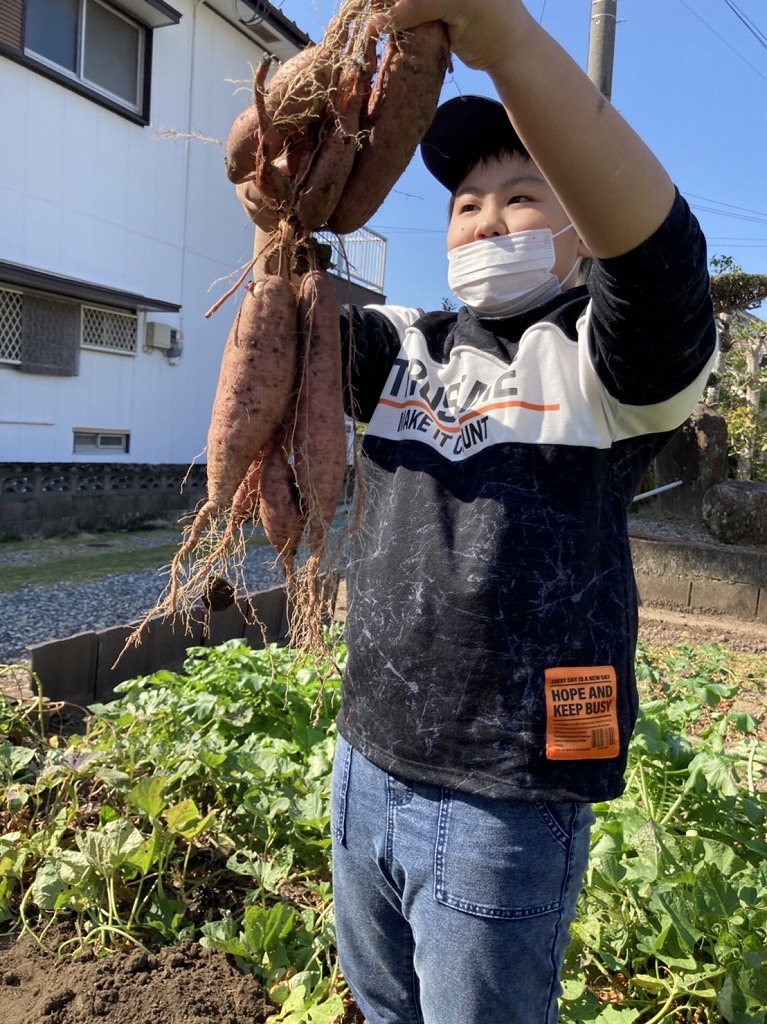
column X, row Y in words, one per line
column 36, row 614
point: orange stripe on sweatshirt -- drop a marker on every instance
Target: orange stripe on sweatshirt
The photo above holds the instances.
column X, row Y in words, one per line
column 482, row 411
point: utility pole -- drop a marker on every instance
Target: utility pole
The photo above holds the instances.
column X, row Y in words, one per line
column 604, row 14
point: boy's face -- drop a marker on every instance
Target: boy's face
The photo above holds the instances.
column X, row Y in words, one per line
column 507, row 195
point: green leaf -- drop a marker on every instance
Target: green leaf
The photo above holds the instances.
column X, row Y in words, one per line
column 105, row 849
column 716, row 900
column 14, row 758
column 738, row 1007
column 222, row 935
column 716, row 771
column 673, row 943
column 184, row 819
column 147, row 796
column 269, row 873
column 47, row 886
column 73, row 867
column 148, row 854
column 743, row 722
column 617, row 1013
column 573, row 988
column 265, row 928
column 299, row 1008
column 164, row 915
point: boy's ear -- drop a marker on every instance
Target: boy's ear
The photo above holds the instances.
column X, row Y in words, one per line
column 583, row 250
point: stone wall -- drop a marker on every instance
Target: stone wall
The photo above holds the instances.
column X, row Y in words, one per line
column 49, row 498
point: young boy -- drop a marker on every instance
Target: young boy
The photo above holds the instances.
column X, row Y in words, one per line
column 489, row 695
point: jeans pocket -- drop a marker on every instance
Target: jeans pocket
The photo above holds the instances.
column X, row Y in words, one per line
column 339, row 789
column 502, row 859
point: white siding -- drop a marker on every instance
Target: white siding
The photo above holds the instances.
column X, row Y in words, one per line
column 87, row 194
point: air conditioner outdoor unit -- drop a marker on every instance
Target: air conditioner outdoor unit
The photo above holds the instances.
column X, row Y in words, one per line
column 159, row 336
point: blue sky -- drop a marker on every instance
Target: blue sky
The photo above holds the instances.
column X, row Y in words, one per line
column 689, row 77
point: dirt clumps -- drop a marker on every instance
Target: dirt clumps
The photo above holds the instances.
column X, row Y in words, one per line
column 180, row 984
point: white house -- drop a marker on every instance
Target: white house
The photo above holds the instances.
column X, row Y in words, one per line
column 118, row 226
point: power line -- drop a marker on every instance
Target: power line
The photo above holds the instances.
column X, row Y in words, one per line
column 752, row 28
column 723, row 40
column 732, row 216
column 741, row 209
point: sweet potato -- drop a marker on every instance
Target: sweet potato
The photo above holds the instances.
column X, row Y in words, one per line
column 279, row 505
column 319, row 439
column 242, row 146
column 254, row 144
column 245, row 500
column 319, row 451
column 256, row 380
column 300, row 90
column 402, row 104
column 273, row 183
column 333, row 160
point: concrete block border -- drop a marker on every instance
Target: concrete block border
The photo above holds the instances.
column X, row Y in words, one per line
column 84, row 669
column 700, row 578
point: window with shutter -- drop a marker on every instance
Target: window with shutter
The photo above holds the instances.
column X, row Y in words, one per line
column 42, row 333
column 11, row 20
column 50, row 336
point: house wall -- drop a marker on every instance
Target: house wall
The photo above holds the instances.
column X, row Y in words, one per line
column 88, row 194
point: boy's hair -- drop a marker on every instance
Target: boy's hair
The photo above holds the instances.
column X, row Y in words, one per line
column 494, row 150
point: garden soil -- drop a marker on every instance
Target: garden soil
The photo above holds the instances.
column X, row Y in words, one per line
column 181, row 984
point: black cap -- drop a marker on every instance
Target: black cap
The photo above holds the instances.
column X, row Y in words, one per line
column 465, row 130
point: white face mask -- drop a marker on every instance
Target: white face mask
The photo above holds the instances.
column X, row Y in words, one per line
column 507, row 274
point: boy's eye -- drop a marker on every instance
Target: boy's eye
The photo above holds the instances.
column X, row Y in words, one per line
column 519, row 199
column 468, row 207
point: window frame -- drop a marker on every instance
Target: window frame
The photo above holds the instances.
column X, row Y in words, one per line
column 76, row 80
column 147, row 14
column 115, row 350
column 7, row 358
column 97, row 448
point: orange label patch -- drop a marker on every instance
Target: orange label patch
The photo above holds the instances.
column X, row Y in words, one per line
column 581, row 713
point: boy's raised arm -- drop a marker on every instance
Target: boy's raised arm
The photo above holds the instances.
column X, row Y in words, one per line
column 611, row 185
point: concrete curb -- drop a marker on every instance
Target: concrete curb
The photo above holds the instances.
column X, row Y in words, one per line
column 706, row 579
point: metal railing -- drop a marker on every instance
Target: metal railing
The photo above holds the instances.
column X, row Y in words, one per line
column 359, row 257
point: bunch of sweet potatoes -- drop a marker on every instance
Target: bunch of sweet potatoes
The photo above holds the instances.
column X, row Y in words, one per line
column 324, row 142
column 321, row 146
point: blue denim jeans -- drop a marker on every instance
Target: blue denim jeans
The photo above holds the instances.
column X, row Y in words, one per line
column 451, row 908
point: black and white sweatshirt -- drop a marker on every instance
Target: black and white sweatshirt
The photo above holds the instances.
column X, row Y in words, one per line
column 492, row 612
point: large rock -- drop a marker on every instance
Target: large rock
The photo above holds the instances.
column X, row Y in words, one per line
column 735, row 512
column 696, row 455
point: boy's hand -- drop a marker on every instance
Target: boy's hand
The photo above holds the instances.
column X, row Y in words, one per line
column 261, row 214
column 614, row 190
column 483, row 33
